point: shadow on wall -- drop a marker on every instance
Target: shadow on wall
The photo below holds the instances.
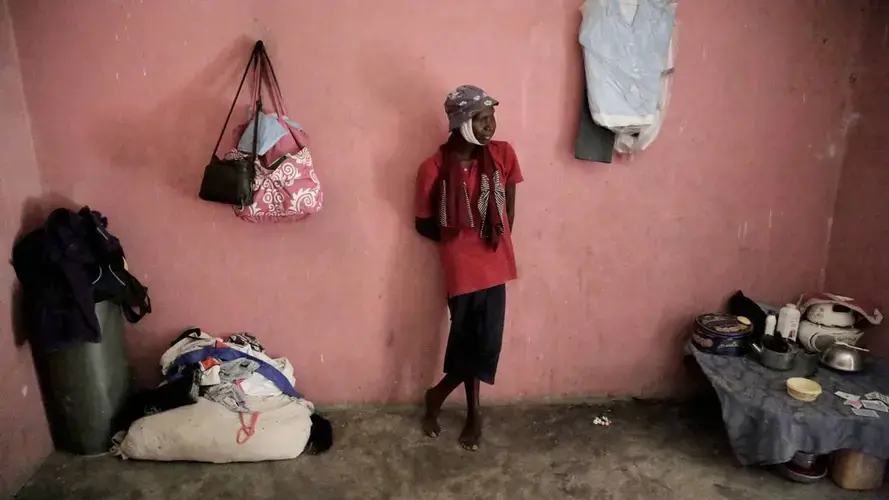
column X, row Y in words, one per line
column 414, row 341
column 860, row 235
column 163, row 140
column 34, row 212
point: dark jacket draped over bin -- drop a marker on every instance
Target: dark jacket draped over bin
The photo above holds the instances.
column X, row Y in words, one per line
column 65, row 268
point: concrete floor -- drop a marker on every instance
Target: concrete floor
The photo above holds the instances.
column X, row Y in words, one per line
column 650, row 451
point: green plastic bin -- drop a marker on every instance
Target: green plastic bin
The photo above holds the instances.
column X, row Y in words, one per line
column 86, row 385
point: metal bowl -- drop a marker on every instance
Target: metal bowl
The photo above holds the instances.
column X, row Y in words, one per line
column 803, row 460
column 815, row 474
column 843, row 357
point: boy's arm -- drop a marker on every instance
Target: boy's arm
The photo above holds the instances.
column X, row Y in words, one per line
column 510, row 205
column 513, row 177
column 425, row 222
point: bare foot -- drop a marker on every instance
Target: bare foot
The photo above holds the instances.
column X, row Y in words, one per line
column 430, row 418
column 471, row 436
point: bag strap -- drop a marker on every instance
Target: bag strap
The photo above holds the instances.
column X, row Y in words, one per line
column 258, row 109
column 254, row 61
column 258, row 71
column 135, row 302
column 276, row 95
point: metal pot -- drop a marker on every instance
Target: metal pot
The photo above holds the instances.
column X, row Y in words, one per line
column 803, row 459
column 805, row 363
column 844, row 357
column 781, row 361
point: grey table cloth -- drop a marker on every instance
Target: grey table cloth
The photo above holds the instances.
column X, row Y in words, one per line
column 766, row 426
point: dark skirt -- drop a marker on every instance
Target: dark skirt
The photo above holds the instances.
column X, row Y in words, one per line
column 476, row 334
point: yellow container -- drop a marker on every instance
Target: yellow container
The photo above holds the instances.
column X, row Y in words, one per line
column 803, row 389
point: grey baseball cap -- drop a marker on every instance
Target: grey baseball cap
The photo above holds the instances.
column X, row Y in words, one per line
column 464, row 103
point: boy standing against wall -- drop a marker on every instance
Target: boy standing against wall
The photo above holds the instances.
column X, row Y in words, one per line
column 465, row 202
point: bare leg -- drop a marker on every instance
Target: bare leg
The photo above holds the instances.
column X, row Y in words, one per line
column 472, row 431
column 436, row 397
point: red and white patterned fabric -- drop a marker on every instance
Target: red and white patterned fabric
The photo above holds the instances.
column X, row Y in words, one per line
column 289, row 191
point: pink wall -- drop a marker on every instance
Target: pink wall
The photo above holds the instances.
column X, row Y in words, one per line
column 126, row 98
column 24, row 439
column 859, row 251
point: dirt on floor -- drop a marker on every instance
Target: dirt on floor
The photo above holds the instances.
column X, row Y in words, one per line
column 650, row 451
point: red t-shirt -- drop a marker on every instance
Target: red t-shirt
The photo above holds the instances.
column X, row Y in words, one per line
column 470, row 264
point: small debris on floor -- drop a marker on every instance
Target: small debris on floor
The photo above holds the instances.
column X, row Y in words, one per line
column 602, row 420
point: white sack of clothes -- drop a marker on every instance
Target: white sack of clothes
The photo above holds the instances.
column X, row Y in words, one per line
column 627, row 53
column 208, row 432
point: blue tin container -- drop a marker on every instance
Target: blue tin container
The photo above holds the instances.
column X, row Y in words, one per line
column 722, row 334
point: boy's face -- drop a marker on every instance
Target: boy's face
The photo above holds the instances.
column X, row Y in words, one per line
column 484, row 125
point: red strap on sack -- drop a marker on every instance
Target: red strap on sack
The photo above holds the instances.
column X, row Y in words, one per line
column 246, row 431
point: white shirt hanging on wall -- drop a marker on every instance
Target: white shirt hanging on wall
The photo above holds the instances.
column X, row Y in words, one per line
column 628, row 9
column 628, row 59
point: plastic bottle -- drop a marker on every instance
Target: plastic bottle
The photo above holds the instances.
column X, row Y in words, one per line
column 770, row 324
column 788, row 322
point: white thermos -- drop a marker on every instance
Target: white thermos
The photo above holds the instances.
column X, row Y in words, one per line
column 770, row 324
column 788, row 322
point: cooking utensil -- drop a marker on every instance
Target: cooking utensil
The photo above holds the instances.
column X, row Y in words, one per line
column 805, row 364
column 781, row 361
column 817, row 338
column 844, row 357
column 812, row 474
column 803, row 460
column 831, row 314
column 803, row 389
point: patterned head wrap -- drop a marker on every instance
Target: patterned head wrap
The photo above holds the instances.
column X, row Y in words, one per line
column 464, row 103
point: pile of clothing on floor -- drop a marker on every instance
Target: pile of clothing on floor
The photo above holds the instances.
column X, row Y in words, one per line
column 222, row 400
